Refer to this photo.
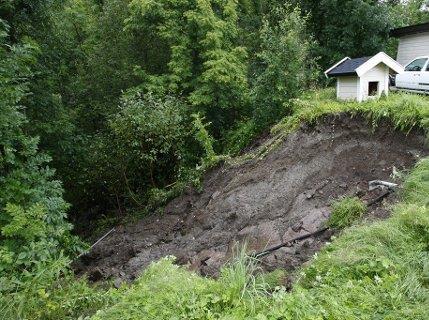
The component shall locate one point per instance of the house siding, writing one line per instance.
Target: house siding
(413, 46)
(347, 88)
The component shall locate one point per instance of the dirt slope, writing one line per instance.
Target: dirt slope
(263, 202)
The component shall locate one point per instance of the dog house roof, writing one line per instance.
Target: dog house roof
(359, 66)
(347, 67)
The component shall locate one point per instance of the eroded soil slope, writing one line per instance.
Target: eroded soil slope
(264, 202)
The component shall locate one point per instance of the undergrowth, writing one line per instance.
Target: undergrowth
(53, 293)
(405, 111)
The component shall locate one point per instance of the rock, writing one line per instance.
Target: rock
(309, 194)
(215, 195)
(297, 226)
(95, 275)
(117, 283)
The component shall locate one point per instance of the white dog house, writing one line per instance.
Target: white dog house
(363, 78)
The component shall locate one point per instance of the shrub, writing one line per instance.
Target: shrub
(240, 137)
(143, 149)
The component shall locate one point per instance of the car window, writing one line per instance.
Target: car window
(416, 65)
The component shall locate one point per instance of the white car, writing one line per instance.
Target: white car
(415, 76)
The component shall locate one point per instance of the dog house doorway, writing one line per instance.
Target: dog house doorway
(373, 88)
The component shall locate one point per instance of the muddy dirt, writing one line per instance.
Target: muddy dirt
(263, 202)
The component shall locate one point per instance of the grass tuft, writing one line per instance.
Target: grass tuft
(346, 211)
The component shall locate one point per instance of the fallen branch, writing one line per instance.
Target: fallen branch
(97, 242)
(300, 238)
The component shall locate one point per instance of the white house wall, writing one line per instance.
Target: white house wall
(413, 46)
(347, 88)
(380, 74)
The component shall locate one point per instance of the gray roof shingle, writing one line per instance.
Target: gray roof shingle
(348, 67)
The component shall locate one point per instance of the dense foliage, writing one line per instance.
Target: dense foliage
(357, 28)
(34, 234)
(145, 146)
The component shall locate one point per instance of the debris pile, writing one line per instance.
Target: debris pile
(265, 203)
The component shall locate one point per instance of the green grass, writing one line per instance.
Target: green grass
(345, 211)
(405, 112)
(166, 291)
(52, 293)
(371, 271)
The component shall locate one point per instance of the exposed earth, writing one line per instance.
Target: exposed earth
(264, 202)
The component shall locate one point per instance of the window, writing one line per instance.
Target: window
(416, 65)
(372, 88)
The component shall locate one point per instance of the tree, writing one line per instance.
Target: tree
(353, 28)
(285, 64)
(410, 12)
(206, 63)
(33, 227)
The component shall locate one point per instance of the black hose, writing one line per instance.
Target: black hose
(303, 237)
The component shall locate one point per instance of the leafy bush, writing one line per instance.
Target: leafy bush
(346, 211)
(203, 137)
(206, 141)
(240, 137)
(143, 149)
(32, 211)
